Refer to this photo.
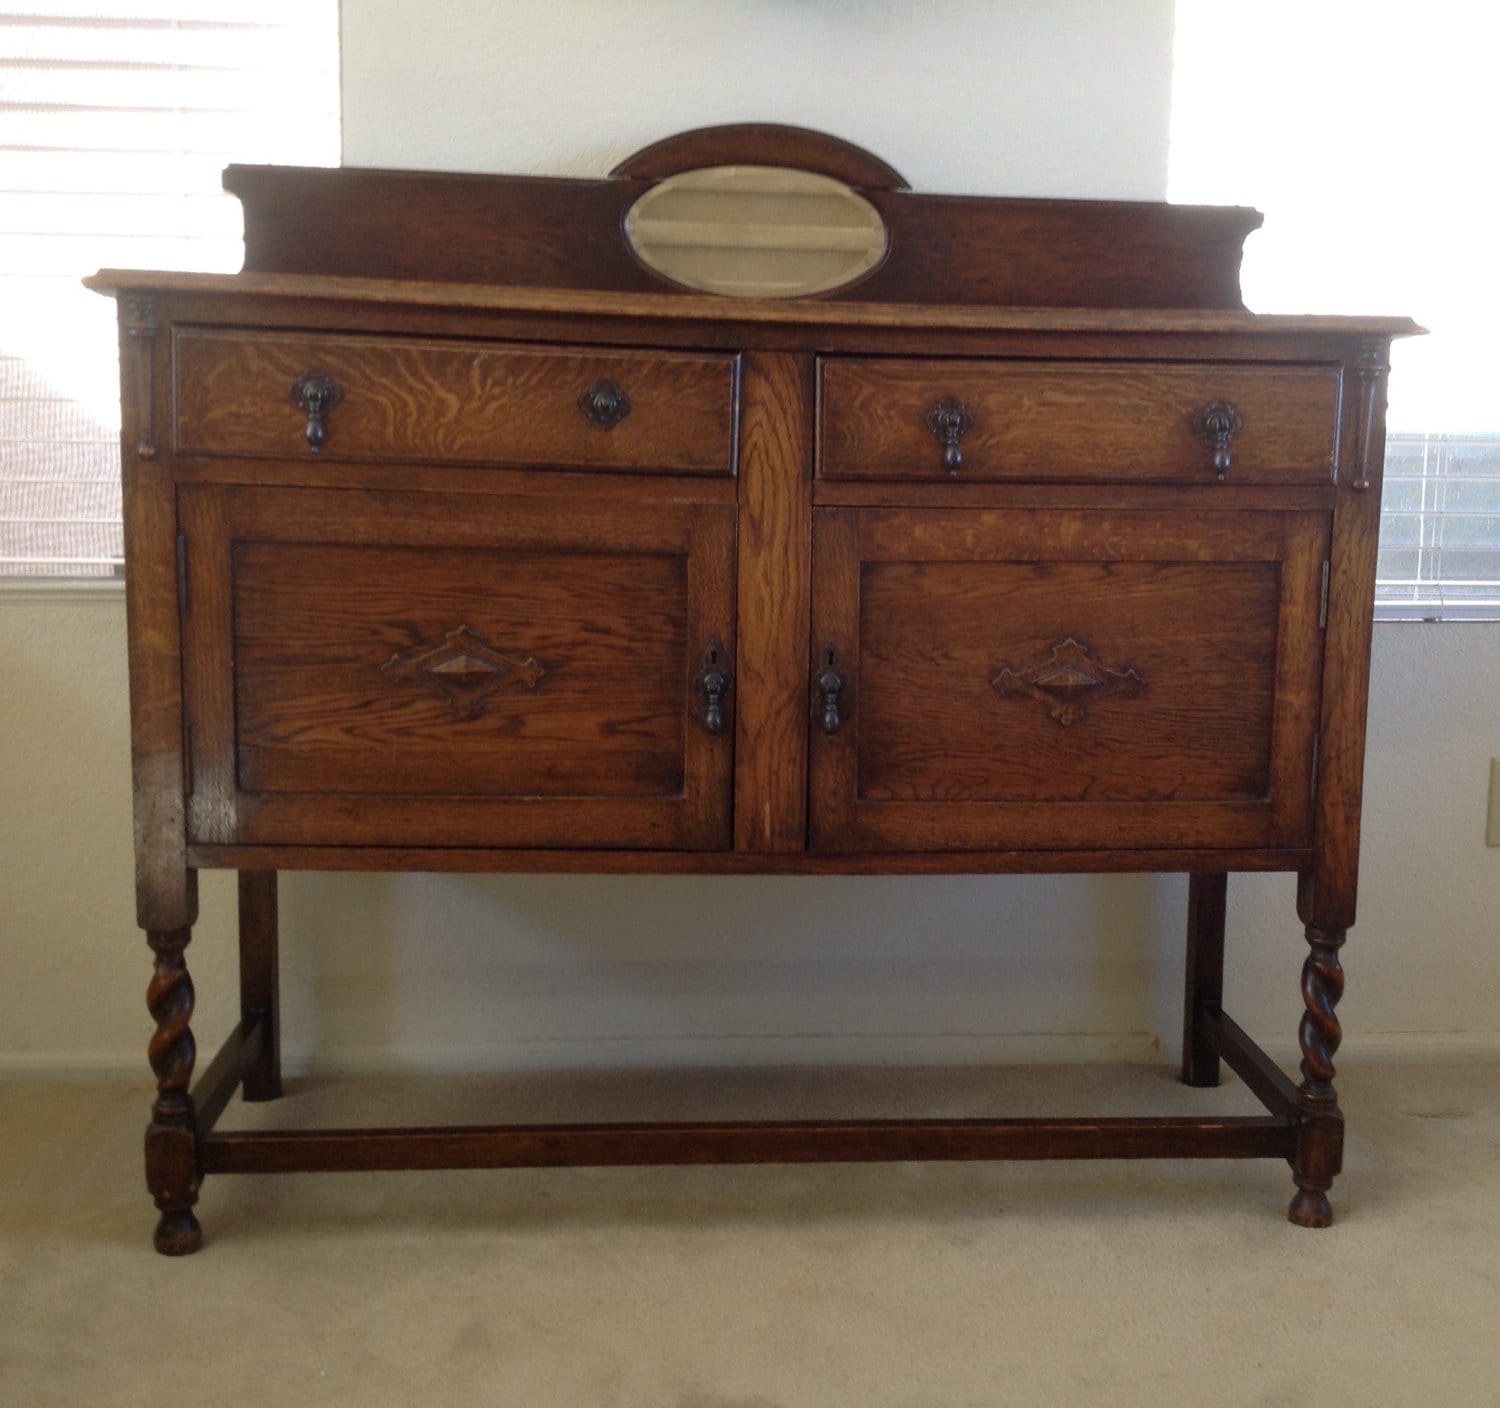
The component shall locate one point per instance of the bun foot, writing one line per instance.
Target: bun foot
(178, 1233)
(1310, 1209)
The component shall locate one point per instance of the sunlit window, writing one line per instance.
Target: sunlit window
(116, 120)
(1367, 133)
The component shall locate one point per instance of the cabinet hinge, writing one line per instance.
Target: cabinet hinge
(182, 575)
(1323, 599)
(1317, 749)
(187, 756)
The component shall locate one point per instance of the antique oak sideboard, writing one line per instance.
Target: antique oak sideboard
(463, 534)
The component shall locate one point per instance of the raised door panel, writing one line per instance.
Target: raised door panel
(420, 669)
(1045, 679)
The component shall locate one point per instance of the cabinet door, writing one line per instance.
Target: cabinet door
(454, 670)
(1030, 679)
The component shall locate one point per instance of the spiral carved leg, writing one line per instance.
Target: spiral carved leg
(172, 1170)
(1320, 1132)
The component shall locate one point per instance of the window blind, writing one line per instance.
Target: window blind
(115, 121)
(1346, 233)
(1440, 528)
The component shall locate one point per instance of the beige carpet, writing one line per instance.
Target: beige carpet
(913, 1286)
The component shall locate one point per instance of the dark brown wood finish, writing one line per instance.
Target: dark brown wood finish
(166, 889)
(478, 672)
(260, 980)
(1320, 1129)
(215, 1088)
(1092, 421)
(788, 1142)
(1204, 988)
(1267, 1081)
(1082, 583)
(774, 554)
(1209, 621)
(173, 1165)
(565, 233)
(430, 401)
(517, 860)
(572, 317)
(762, 144)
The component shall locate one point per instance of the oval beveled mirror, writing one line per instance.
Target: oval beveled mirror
(756, 231)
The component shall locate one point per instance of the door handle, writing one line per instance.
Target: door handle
(713, 682)
(829, 684)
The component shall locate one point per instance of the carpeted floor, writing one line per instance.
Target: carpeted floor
(913, 1286)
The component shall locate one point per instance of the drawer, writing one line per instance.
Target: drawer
(883, 418)
(426, 400)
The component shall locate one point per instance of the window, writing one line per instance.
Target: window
(1365, 132)
(116, 119)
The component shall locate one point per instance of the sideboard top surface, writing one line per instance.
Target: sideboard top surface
(748, 313)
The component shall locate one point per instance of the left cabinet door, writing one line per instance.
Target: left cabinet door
(415, 669)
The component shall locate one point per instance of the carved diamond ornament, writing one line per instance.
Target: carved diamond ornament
(1068, 682)
(464, 669)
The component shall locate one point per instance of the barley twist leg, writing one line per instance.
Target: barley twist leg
(1320, 1133)
(172, 1167)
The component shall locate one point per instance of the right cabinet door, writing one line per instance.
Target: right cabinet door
(1064, 679)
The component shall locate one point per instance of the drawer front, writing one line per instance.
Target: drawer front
(429, 401)
(425, 669)
(1090, 421)
(1036, 679)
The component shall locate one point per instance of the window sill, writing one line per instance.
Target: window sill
(61, 591)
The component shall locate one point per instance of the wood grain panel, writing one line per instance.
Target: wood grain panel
(1327, 898)
(934, 636)
(324, 704)
(413, 669)
(1214, 618)
(565, 233)
(422, 306)
(774, 547)
(430, 400)
(1089, 421)
(166, 890)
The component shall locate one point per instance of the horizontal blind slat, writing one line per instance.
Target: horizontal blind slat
(203, 215)
(160, 88)
(163, 14)
(115, 125)
(1439, 553)
(275, 137)
(91, 172)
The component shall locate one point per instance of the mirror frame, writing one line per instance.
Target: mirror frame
(663, 258)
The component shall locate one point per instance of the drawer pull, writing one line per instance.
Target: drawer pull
(605, 404)
(713, 684)
(829, 684)
(950, 421)
(314, 394)
(1067, 682)
(1218, 423)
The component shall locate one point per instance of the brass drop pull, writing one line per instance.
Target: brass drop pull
(713, 684)
(1218, 423)
(315, 394)
(829, 685)
(604, 404)
(949, 420)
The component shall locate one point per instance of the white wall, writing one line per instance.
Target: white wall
(466, 971)
(1020, 97)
